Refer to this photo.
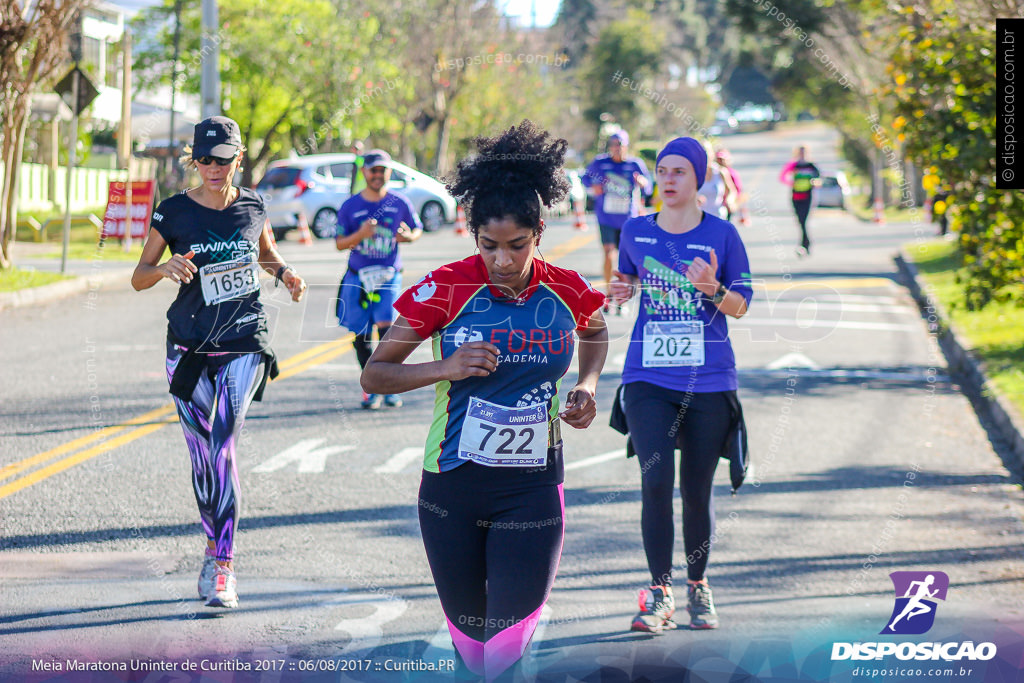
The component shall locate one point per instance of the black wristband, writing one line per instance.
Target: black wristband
(280, 272)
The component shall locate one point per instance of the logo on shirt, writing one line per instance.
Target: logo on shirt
(463, 335)
(646, 240)
(424, 291)
(158, 216)
(211, 133)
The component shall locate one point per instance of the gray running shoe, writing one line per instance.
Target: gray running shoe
(206, 576)
(656, 609)
(393, 401)
(224, 593)
(700, 606)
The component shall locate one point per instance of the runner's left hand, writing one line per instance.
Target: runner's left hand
(296, 285)
(580, 408)
(702, 274)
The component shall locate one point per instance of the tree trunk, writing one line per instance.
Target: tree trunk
(14, 141)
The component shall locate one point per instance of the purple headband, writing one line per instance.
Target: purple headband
(692, 151)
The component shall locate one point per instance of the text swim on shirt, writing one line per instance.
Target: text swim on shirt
(390, 212)
(618, 201)
(535, 335)
(660, 259)
(226, 246)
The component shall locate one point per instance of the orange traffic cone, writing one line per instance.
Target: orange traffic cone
(581, 222)
(460, 222)
(304, 236)
(879, 212)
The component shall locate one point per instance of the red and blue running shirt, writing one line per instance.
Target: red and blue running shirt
(534, 334)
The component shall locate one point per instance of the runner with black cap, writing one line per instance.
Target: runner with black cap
(218, 352)
(372, 224)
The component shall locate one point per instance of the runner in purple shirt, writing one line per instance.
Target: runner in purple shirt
(614, 180)
(679, 380)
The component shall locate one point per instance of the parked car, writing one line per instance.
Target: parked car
(318, 184)
(833, 191)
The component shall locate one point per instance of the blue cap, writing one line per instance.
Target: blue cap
(620, 135)
(692, 151)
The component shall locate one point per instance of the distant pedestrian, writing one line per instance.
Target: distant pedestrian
(372, 224)
(718, 192)
(615, 179)
(802, 176)
(218, 345)
(738, 205)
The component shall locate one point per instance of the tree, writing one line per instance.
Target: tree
(33, 39)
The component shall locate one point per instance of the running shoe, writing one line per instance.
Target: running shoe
(393, 401)
(656, 609)
(206, 577)
(371, 401)
(224, 593)
(700, 606)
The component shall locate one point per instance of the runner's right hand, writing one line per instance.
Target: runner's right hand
(368, 227)
(621, 288)
(179, 268)
(472, 359)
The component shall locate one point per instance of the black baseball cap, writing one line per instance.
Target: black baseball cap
(377, 157)
(217, 136)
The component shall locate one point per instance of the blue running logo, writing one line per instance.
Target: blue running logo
(916, 593)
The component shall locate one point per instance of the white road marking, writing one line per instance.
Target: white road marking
(596, 459)
(400, 460)
(306, 453)
(845, 307)
(793, 360)
(847, 374)
(830, 324)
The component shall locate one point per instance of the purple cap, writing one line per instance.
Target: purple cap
(692, 151)
(620, 135)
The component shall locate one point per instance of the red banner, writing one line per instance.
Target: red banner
(115, 217)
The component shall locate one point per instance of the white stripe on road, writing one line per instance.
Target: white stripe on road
(596, 459)
(793, 360)
(310, 458)
(844, 307)
(830, 324)
(400, 460)
(845, 374)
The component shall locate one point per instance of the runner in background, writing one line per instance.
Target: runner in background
(218, 346)
(802, 176)
(372, 224)
(615, 180)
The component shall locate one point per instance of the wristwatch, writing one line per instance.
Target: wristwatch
(719, 296)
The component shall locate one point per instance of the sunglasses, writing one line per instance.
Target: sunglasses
(220, 161)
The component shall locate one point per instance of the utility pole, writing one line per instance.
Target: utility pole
(125, 138)
(209, 86)
(172, 145)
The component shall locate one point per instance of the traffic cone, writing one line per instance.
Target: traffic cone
(304, 236)
(581, 222)
(460, 222)
(879, 212)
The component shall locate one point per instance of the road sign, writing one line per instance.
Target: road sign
(87, 92)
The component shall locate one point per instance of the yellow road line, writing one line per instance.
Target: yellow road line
(292, 366)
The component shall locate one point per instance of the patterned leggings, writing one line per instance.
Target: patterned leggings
(212, 421)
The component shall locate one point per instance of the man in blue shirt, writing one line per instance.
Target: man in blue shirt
(613, 179)
(372, 223)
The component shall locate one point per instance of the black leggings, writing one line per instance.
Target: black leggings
(493, 537)
(803, 209)
(661, 420)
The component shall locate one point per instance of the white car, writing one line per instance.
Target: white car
(318, 184)
(833, 191)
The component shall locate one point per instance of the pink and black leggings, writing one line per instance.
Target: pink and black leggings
(212, 421)
(493, 537)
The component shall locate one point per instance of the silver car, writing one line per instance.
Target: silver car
(316, 186)
(833, 191)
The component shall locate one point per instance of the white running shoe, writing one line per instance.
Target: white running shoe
(224, 593)
(206, 577)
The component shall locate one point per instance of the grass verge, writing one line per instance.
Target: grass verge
(994, 333)
(14, 279)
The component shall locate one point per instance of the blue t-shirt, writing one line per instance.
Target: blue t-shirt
(619, 200)
(534, 334)
(381, 249)
(659, 258)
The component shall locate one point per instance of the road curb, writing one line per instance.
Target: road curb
(60, 290)
(1005, 420)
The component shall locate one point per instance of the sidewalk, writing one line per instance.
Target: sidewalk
(86, 275)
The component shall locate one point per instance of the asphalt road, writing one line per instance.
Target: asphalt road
(867, 460)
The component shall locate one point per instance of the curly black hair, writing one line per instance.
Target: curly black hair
(510, 177)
